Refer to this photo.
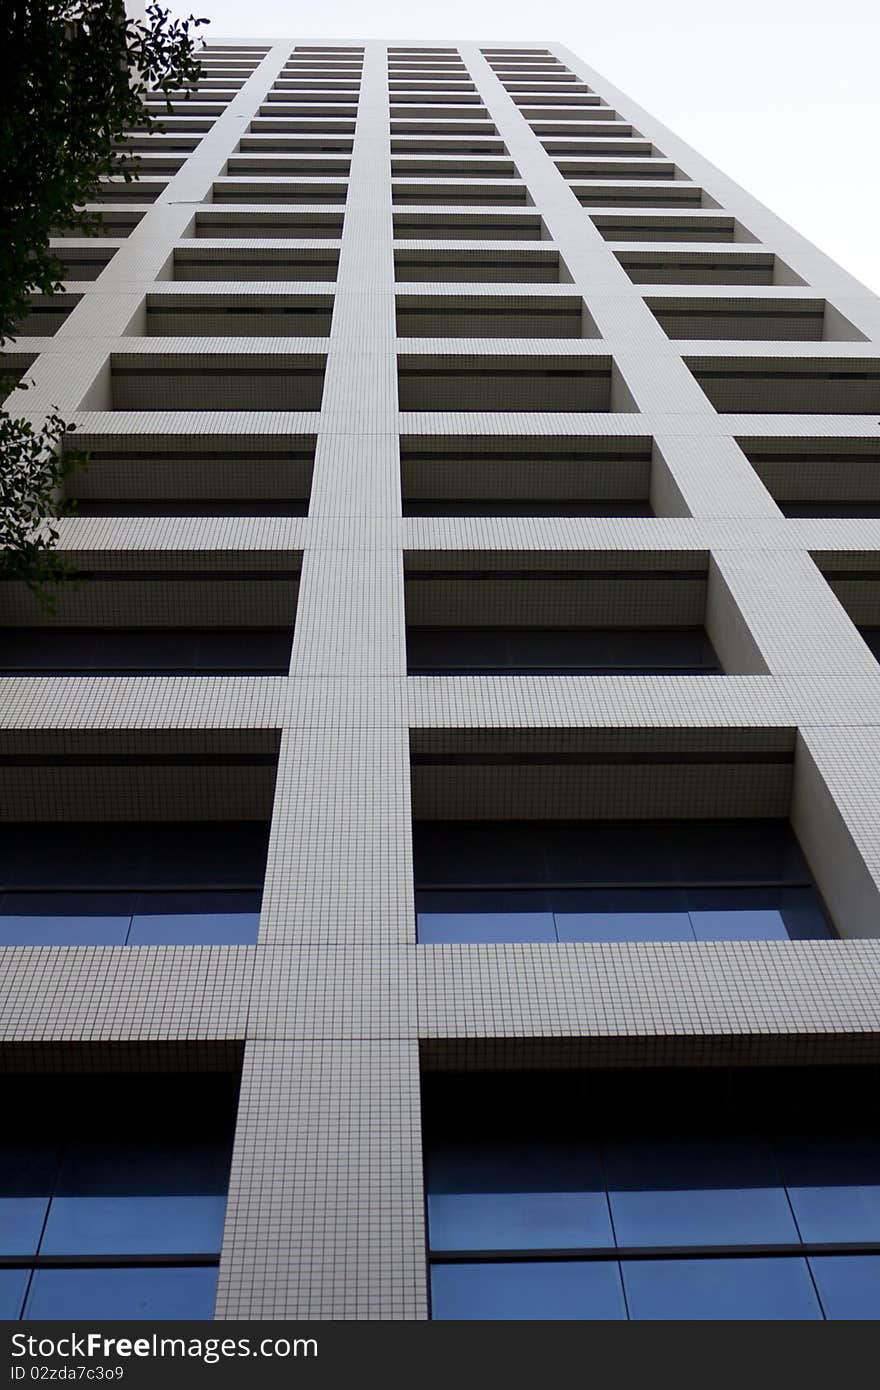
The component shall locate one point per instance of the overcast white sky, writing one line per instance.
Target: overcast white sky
(784, 95)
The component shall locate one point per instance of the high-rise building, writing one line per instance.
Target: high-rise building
(462, 741)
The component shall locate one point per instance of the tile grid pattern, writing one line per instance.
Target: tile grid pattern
(325, 1214)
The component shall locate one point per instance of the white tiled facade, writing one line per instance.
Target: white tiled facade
(337, 1009)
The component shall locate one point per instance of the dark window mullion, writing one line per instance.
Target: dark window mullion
(202, 1260)
(604, 1169)
(60, 1155)
(584, 885)
(605, 1254)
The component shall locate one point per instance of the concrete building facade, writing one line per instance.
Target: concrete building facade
(387, 341)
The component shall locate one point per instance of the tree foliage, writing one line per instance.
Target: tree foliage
(33, 470)
(76, 76)
(76, 73)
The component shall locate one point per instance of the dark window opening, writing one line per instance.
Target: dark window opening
(654, 1194)
(127, 884)
(872, 637)
(113, 1192)
(818, 477)
(484, 881)
(526, 476)
(516, 506)
(830, 507)
(546, 651)
(157, 651)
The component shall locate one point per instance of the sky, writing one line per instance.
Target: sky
(784, 96)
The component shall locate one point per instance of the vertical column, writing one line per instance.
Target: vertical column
(326, 1210)
(326, 1187)
(345, 805)
(791, 614)
(837, 772)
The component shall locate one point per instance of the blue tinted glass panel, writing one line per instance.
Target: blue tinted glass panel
(518, 1221)
(63, 931)
(495, 914)
(736, 914)
(200, 918)
(139, 1198)
(624, 926)
(120, 1294)
(849, 1286)
(834, 1186)
(802, 914)
(696, 1192)
(516, 1197)
(13, 1283)
(550, 1291)
(437, 927)
(27, 1175)
(624, 914)
(195, 929)
(759, 1289)
(65, 919)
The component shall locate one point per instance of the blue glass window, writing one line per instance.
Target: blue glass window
(150, 1294)
(702, 1188)
(492, 915)
(696, 1192)
(621, 914)
(118, 1167)
(602, 881)
(27, 1175)
(13, 1283)
(171, 919)
(760, 1288)
(138, 1197)
(802, 913)
(65, 919)
(516, 1196)
(625, 914)
(435, 928)
(849, 1286)
(834, 1186)
(554, 1291)
(119, 919)
(755, 914)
